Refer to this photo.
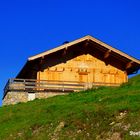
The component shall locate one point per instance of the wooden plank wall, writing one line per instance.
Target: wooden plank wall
(84, 68)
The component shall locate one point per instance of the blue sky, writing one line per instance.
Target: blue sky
(28, 27)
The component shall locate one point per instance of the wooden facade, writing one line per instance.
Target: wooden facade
(84, 68)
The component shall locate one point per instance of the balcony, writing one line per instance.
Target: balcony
(31, 85)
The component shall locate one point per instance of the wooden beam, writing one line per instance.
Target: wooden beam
(41, 63)
(65, 51)
(86, 43)
(84, 48)
(107, 54)
(41, 60)
(129, 65)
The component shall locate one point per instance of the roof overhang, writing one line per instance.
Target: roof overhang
(109, 50)
(88, 38)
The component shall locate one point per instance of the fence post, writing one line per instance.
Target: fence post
(63, 86)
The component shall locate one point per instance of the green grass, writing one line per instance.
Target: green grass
(92, 114)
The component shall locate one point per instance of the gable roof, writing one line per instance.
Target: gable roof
(88, 38)
(121, 56)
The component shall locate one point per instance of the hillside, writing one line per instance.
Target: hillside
(97, 114)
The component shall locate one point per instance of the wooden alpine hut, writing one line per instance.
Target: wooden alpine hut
(78, 65)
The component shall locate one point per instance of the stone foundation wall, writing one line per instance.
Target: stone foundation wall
(42, 95)
(17, 97)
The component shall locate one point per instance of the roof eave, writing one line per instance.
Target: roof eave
(88, 37)
(59, 48)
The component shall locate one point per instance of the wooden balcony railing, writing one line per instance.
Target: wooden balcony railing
(31, 85)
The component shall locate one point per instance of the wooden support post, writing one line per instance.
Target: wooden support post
(125, 76)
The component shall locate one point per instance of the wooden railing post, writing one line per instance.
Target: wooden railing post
(63, 85)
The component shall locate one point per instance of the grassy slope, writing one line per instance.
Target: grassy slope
(93, 114)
